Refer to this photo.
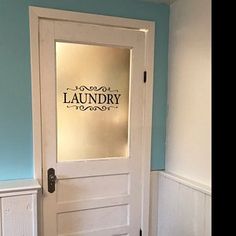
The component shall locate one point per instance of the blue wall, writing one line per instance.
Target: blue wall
(16, 158)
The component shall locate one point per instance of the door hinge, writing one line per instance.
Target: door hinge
(140, 232)
(145, 76)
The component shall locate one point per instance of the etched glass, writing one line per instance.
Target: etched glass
(92, 84)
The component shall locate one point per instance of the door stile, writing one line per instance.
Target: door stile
(47, 75)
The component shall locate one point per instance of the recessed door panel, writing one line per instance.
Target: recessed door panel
(93, 219)
(79, 189)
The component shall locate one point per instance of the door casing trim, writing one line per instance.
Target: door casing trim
(37, 13)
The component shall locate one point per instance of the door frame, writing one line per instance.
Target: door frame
(37, 13)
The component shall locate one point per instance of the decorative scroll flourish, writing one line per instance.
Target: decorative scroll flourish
(92, 88)
(92, 108)
(76, 88)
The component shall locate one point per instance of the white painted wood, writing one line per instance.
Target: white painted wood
(83, 188)
(153, 203)
(167, 207)
(8, 186)
(35, 214)
(17, 193)
(147, 127)
(82, 221)
(192, 184)
(183, 210)
(40, 213)
(139, 25)
(103, 35)
(17, 215)
(48, 143)
(207, 215)
(92, 204)
(146, 122)
(18, 207)
(55, 14)
(35, 95)
(190, 211)
(36, 109)
(115, 231)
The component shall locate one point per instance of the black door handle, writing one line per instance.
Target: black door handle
(52, 178)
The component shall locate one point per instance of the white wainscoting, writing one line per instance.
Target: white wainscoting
(18, 207)
(179, 207)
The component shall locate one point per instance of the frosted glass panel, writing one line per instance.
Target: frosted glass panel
(92, 101)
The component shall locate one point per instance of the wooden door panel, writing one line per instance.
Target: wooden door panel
(97, 196)
(78, 189)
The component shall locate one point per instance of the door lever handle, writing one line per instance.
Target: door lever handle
(52, 178)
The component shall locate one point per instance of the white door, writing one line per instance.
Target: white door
(92, 101)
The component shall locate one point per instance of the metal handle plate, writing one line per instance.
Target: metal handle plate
(52, 178)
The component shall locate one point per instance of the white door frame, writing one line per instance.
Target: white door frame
(37, 13)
